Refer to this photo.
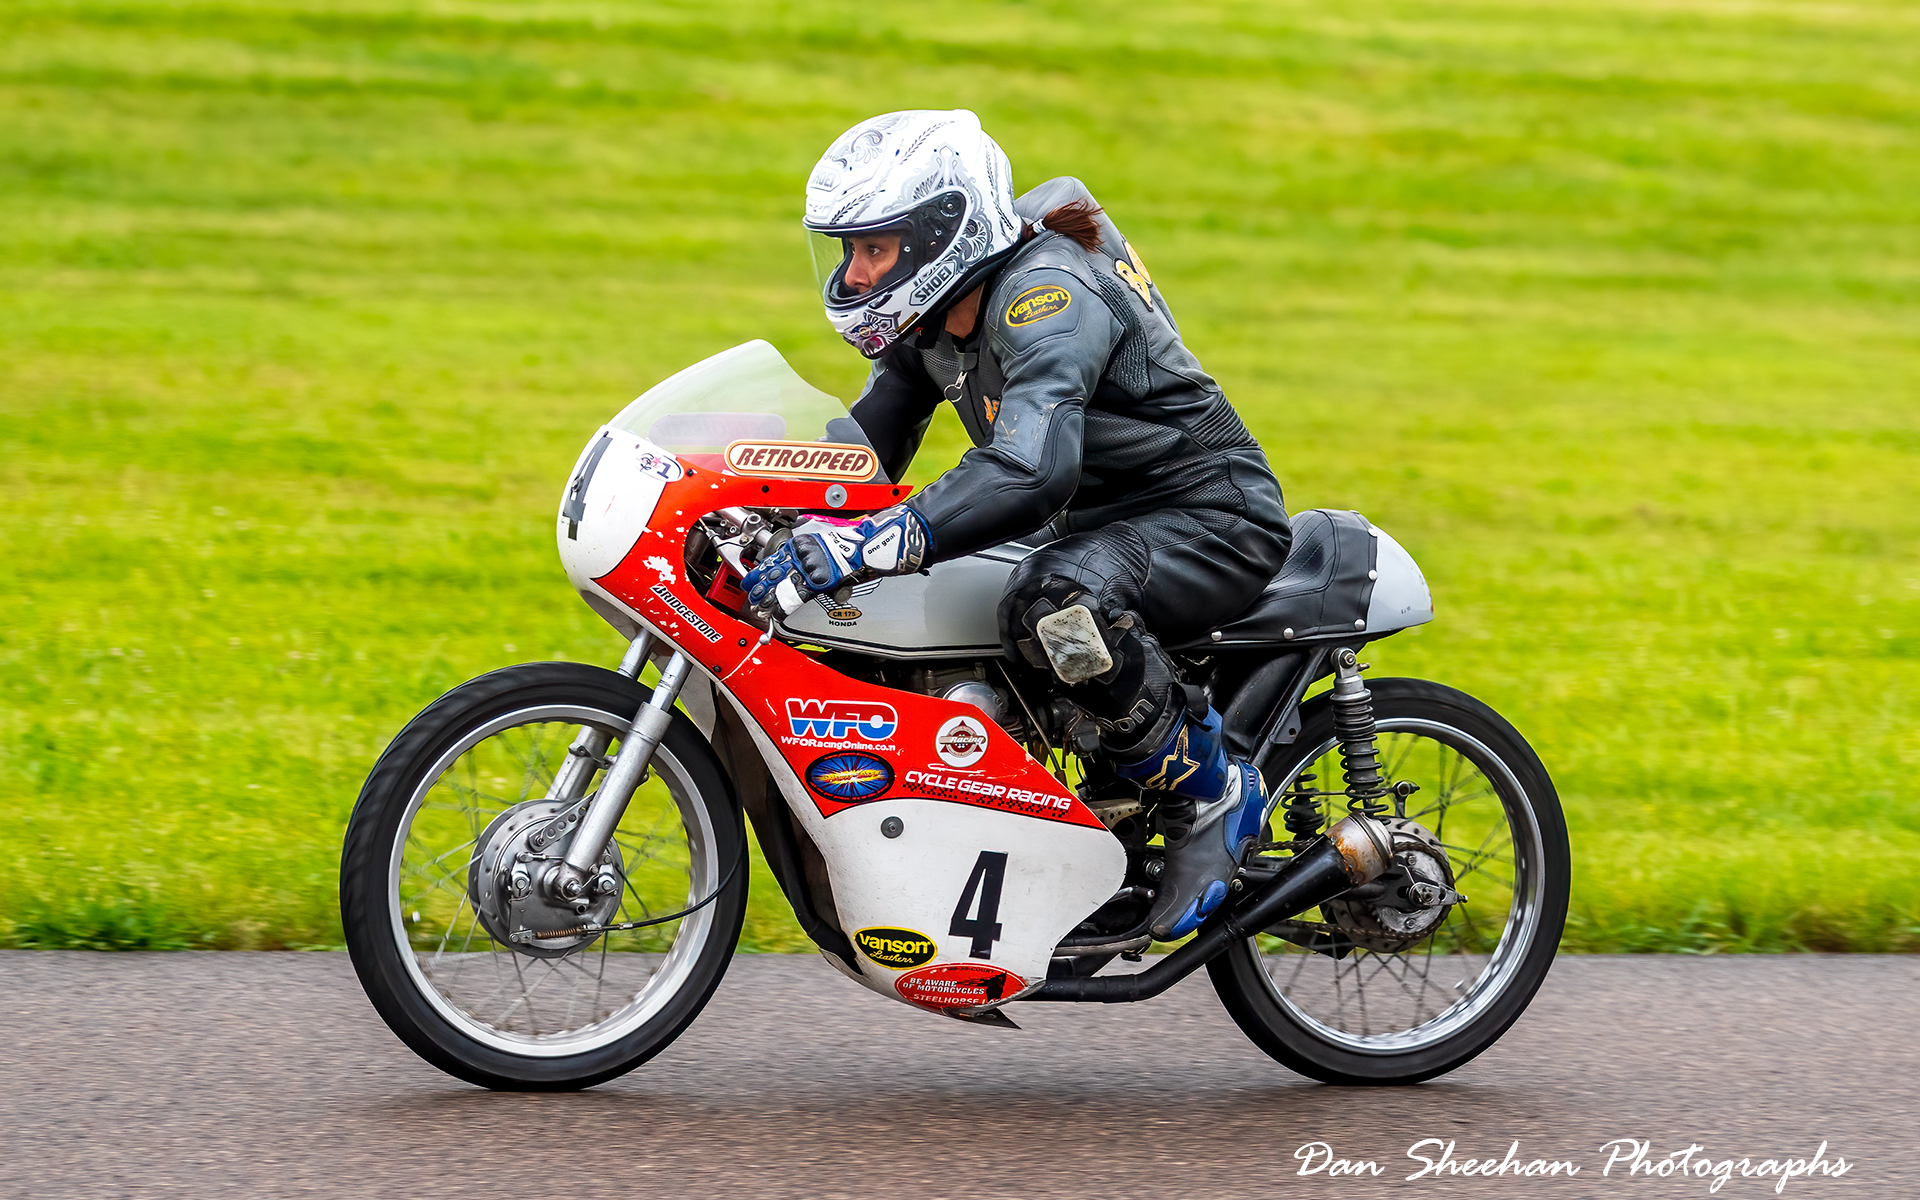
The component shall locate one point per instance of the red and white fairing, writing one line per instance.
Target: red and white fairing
(992, 859)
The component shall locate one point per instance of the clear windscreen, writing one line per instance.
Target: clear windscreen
(746, 393)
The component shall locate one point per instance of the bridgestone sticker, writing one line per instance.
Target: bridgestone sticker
(686, 614)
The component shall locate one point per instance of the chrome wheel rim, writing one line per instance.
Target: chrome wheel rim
(1390, 1003)
(588, 998)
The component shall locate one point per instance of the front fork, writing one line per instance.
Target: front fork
(572, 881)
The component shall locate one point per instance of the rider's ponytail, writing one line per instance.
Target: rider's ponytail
(1074, 219)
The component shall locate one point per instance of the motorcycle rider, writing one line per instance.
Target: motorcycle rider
(1089, 420)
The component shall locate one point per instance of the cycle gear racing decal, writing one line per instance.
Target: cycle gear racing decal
(896, 948)
(686, 614)
(850, 778)
(1038, 303)
(803, 460)
(961, 742)
(958, 985)
(963, 788)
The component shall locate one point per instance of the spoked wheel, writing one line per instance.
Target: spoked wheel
(1418, 978)
(448, 928)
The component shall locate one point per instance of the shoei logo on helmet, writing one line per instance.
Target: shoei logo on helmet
(802, 460)
(961, 742)
(1037, 304)
(896, 948)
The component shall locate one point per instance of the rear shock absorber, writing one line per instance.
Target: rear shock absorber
(1354, 727)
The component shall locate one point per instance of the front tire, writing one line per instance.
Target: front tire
(1394, 1009)
(517, 1019)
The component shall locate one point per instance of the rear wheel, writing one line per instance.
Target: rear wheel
(1372, 992)
(458, 968)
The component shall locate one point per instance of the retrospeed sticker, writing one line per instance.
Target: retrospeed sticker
(957, 985)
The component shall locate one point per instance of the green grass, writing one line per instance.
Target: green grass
(1609, 311)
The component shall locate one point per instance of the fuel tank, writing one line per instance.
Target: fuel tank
(948, 612)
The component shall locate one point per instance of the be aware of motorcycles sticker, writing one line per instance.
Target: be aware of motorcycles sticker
(957, 985)
(895, 948)
(803, 460)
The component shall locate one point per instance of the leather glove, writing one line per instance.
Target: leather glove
(820, 557)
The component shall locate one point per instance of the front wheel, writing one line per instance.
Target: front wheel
(437, 921)
(1384, 990)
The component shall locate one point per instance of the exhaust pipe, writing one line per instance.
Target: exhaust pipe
(1357, 850)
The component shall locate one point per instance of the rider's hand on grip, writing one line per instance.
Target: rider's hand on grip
(824, 554)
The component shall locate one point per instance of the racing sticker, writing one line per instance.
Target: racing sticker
(957, 985)
(850, 777)
(961, 742)
(803, 460)
(896, 948)
(1038, 303)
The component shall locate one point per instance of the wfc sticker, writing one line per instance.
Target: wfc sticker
(896, 948)
(1038, 303)
(802, 460)
(834, 720)
(958, 985)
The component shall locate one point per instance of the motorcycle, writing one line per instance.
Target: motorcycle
(545, 874)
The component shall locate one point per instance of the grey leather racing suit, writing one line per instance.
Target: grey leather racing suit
(1092, 426)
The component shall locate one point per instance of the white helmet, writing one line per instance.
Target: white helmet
(940, 183)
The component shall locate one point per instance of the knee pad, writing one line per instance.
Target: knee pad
(1111, 665)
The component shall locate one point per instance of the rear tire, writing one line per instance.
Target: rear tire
(429, 966)
(1443, 1000)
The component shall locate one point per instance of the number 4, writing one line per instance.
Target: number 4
(989, 875)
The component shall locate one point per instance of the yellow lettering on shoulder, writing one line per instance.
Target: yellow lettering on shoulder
(1134, 273)
(1038, 303)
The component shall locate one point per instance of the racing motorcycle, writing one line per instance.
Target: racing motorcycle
(545, 875)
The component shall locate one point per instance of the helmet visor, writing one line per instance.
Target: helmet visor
(853, 264)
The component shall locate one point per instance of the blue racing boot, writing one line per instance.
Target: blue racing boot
(1229, 810)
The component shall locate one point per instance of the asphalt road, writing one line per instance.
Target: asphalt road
(266, 1075)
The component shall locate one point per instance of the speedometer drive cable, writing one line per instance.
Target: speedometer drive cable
(685, 912)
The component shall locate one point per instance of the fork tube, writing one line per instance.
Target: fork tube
(570, 781)
(629, 768)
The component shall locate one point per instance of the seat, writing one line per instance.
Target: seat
(1322, 590)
